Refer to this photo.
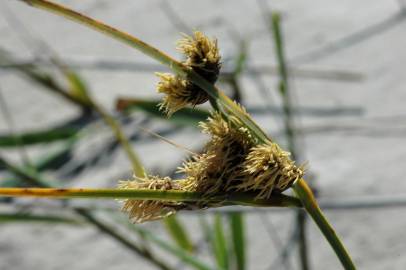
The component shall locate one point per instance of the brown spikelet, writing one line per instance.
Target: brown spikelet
(147, 210)
(202, 54)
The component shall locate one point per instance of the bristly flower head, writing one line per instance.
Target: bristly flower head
(268, 168)
(202, 56)
(147, 210)
(178, 93)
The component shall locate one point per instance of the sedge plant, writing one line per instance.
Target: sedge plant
(240, 164)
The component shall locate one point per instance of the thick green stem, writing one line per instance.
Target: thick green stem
(305, 194)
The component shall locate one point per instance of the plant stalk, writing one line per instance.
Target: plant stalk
(147, 194)
(305, 194)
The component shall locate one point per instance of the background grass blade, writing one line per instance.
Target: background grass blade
(40, 136)
(219, 244)
(28, 218)
(178, 233)
(238, 239)
(78, 87)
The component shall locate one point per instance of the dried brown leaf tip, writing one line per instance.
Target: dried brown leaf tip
(147, 210)
(202, 56)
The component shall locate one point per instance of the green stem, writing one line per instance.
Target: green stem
(305, 194)
(147, 194)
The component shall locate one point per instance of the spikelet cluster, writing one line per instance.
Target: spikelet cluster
(202, 56)
(147, 210)
(233, 161)
(178, 93)
(268, 169)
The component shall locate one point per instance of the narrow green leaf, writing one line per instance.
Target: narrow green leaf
(241, 59)
(219, 244)
(35, 137)
(178, 252)
(184, 117)
(178, 233)
(78, 87)
(238, 239)
(23, 218)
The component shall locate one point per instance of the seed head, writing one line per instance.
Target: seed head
(147, 210)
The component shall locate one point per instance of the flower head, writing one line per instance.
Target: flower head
(268, 168)
(202, 55)
(178, 93)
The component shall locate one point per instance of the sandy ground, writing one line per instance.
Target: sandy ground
(352, 154)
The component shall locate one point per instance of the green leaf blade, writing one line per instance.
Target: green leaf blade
(178, 233)
(220, 244)
(238, 239)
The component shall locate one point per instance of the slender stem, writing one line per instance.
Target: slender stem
(305, 194)
(147, 194)
(163, 58)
